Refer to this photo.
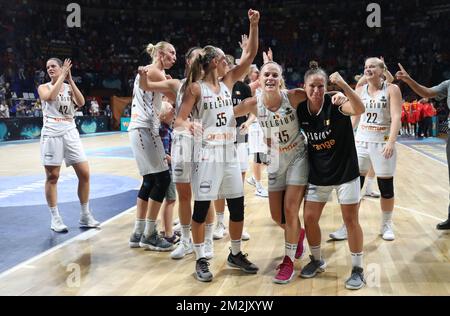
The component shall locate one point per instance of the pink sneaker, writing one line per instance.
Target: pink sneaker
(285, 271)
(300, 246)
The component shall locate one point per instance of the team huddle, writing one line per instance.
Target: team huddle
(316, 141)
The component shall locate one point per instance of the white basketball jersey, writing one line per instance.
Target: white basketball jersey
(58, 115)
(375, 123)
(145, 108)
(281, 127)
(215, 111)
(179, 97)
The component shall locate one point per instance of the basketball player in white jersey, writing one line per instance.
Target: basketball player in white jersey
(275, 110)
(369, 191)
(288, 166)
(217, 173)
(257, 146)
(148, 149)
(376, 136)
(60, 140)
(182, 158)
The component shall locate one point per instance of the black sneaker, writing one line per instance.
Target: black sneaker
(312, 268)
(240, 261)
(175, 239)
(444, 225)
(202, 272)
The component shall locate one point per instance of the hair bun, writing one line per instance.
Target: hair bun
(313, 65)
(150, 49)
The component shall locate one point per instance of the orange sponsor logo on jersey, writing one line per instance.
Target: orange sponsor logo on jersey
(288, 148)
(325, 145)
(373, 128)
(60, 119)
(221, 136)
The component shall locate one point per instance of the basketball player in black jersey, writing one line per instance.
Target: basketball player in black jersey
(333, 165)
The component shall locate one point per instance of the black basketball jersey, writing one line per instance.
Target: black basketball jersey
(241, 91)
(331, 144)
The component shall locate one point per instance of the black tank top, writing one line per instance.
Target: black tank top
(331, 144)
(241, 91)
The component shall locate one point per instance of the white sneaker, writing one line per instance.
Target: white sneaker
(251, 181)
(245, 235)
(387, 231)
(209, 249)
(184, 248)
(176, 221)
(177, 228)
(58, 225)
(261, 192)
(340, 234)
(88, 221)
(219, 231)
(373, 194)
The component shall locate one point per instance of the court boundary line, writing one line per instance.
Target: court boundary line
(36, 140)
(421, 153)
(83, 236)
(411, 210)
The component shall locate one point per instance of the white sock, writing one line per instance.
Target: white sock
(357, 259)
(290, 250)
(85, 208)
(186, 232)
(209, 229)
(235, 247)
(199, 250)
(150, 227)
(387, 217)
(220, 217)
(369, 185)
(139, 226)
(315, 252)
(54, 211)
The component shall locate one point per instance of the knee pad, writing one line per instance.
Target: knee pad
(236, 207)
(386, 187)
(361, 180)
(200, 211)
(144, 191)
(161, 183)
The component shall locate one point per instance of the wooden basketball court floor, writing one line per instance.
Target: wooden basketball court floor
(99, 262)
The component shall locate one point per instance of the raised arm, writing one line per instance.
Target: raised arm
(354, 105)
(250, 53)
(50, 94)
(423, 91)
(77, 96)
